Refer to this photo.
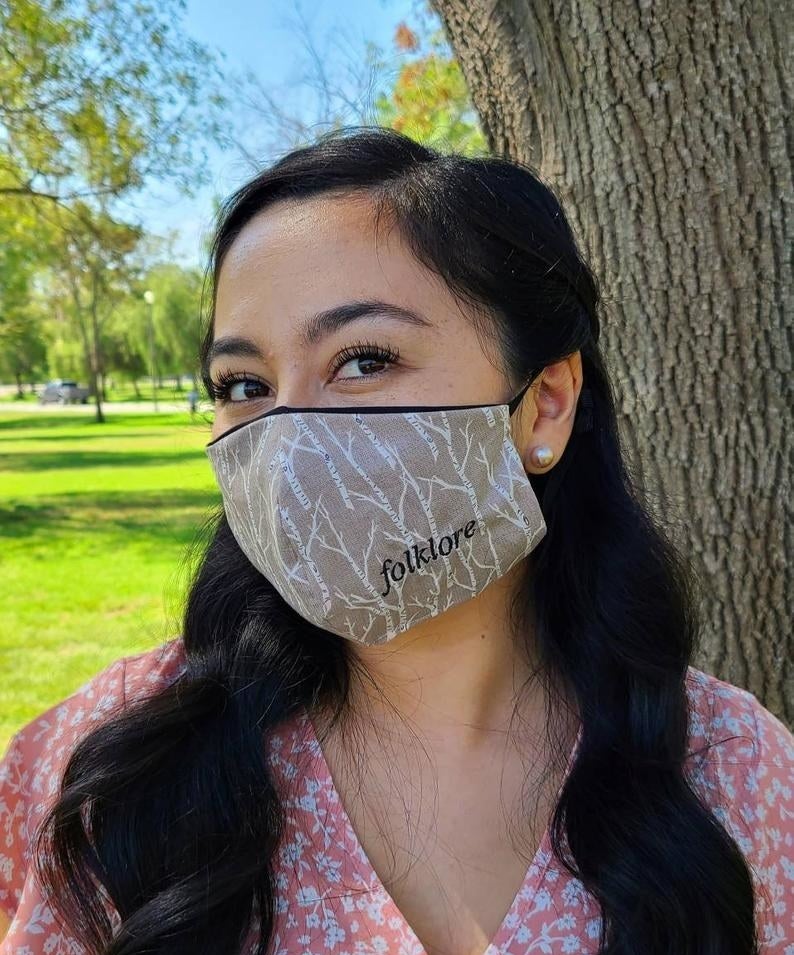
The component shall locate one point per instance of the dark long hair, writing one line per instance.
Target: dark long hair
(169, 808)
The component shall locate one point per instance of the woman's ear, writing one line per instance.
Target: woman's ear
(548, 420)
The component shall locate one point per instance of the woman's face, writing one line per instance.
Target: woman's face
(300, 260)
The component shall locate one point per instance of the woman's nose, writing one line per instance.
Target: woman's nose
(298, 394)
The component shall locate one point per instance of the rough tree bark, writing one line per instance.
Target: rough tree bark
(665, 129)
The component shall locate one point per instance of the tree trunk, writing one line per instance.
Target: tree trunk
(137, 390)
(100, 417)
(20, 390)
(663, 128)
(96, 355)
(90, 367)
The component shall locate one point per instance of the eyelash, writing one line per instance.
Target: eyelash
(220, 387)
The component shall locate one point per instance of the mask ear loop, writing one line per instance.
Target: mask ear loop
(516, 400)
(585, 410)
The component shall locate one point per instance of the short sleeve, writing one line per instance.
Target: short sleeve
(742, 767)
(767, 804)
(14, 810)
(31, 770)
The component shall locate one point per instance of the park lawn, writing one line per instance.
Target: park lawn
(95, 521)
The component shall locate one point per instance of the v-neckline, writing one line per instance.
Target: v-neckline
(530, 885)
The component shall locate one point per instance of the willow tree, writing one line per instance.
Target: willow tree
(663, 127)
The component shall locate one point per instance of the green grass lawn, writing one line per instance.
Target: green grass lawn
(94, 523)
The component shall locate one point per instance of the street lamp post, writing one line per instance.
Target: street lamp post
(148, 297)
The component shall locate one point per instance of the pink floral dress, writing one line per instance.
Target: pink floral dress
(330, 900)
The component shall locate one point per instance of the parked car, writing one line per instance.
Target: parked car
(63, 392)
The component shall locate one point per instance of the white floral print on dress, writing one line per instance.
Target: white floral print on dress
(329, 898)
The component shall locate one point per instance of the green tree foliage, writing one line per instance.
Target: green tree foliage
(416, 87)
(176, 313)
(98, 95)
(175, 326)
(92, 273)
(100, 98)
(22, 343)
(123, 346)
(429, 99)
(23, 350)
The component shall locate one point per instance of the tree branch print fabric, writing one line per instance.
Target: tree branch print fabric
(368, 522)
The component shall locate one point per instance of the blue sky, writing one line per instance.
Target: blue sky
(264, 36)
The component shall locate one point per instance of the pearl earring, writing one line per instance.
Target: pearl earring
(542, 456)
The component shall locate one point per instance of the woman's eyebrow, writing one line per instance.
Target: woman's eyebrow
(319, 326)
(330, 320)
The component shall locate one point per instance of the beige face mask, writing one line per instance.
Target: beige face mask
(370, 520)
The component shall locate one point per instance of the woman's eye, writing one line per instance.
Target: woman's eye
(364, 365)
(365, 360)
(244, 389)
(362, 360)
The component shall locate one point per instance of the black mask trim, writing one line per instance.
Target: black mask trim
(376, 409)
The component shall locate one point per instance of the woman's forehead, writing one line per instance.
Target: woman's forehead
(290, 233)
(298, 258)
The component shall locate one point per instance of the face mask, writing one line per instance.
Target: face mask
(370, 520)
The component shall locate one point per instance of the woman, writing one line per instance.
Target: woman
(433, 691)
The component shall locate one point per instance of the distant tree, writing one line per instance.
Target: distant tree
(98, 100)
(92, 272)
(122, 352)
(177, 314)
(429, 99)
(23, 350)
(65, 353)
(416, 87)
(22, 343)
(99, 96)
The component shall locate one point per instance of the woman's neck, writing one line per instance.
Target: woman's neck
(455, 678)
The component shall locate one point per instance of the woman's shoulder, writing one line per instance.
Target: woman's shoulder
(34, 760)
(738, 749)
(734, 724)
(741, 764)
(116, 684)
(151, 670)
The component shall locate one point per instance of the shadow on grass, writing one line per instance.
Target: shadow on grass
(68, 438)
(37, 422)
(29, 421)
(172, 516)
(70, 460)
